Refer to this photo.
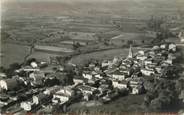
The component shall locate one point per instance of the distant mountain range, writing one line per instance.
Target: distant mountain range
(137, 8)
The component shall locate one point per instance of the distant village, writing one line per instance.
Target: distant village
(33, 88)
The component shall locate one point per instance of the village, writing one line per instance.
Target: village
(32, 88)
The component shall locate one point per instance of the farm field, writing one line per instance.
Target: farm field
(52, 48)
(129, 36)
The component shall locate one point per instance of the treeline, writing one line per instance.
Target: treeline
(161, 96)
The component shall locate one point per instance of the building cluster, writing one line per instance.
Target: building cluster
(32, 89)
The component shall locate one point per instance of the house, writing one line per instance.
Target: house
(2, 75)
(118, 75)
(104, 87)
(6, 100)
(158, 69)
(110, 71)
(33, 64)
(168, 61)
(151, 54)
(181, 36)
(52, 90)
(43, 64)
(172, 47)
(147, 72)
(85, 89)
(78, 80)
(141, 57)
(92, 65)
(132, 82)
(105, 81)
(136, 85)
(62, 96)
(37, 78)
(120, 84)
(136, 74)
(148, 61)
(27, 105)
(141, 52)
(135, 61)
(87, 75)
(128, 62)
(123, 66)
(155, 48)
(29, 69)
(116, 61)
(159, 54)
(151, 66)
(66, 90)
(87, 97)
(163, 46)
(91, 74)
(61, 68)
(126, 72)
(97, 69)
(136, 66)
(106, 63)
(158, 59)
(137, 90)
(92, 82)
(98, 76)
(37, 75)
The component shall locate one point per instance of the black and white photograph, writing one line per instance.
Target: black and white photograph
(92, 57)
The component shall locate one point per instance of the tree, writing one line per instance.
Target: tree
(11, 70)
(64, 78)
(179, 85)
(28, 62)
(2, 69)
(31, 49)
(129, 42)
(148, 85)
(181, 95)
(147, 100)
(14, 66)
(76, 45)
(156, 105)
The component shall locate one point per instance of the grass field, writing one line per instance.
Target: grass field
(137, 38)
(12, 53)
(101, 55)
(120, 105)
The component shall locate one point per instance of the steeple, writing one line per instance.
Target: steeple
(130, 54)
